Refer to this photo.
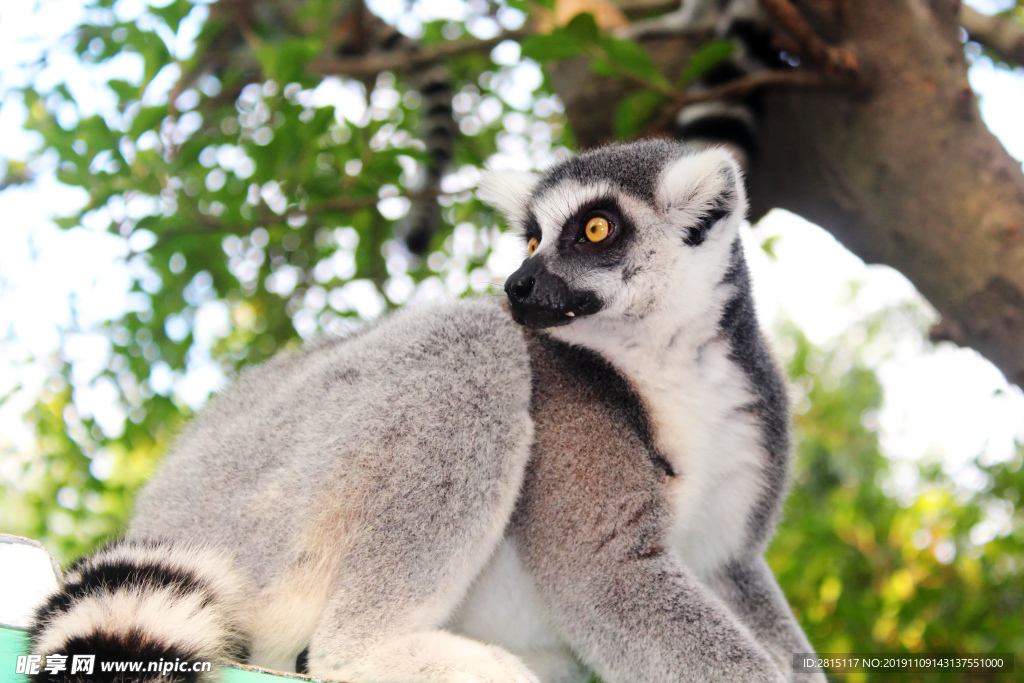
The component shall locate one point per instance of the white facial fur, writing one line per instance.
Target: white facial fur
(665, 271)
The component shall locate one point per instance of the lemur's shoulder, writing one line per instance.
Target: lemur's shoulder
(431, 374)
(574, 383)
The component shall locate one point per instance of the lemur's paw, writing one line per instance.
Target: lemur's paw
(429, 657)
(507, 667)
(489, 665)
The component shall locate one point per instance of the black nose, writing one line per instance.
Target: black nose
(521, 288)
(538, 298)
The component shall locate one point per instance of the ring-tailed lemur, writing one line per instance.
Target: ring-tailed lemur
(584, 480)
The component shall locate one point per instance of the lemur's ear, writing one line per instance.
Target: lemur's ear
(508, 192)
(700, 191)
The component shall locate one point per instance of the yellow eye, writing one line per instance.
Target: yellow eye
(532, 246)
(597, 229)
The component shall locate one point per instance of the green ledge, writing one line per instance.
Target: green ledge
(14, 642)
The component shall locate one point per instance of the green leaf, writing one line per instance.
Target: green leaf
(602, 67)
(633, 59)
(551, 47)
(173, 12)
(768, 246)
(707, 58)
(147, 119)
(583, 28)
(66, 222)
(636, 110)
(153, 51)
(85, 37)
(124, 90)
(285, 62)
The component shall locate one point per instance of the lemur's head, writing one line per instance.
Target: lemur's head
(620, 232)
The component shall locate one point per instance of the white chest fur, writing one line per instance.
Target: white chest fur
(695, 398)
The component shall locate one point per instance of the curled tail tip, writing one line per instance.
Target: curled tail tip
(144, 612)
(419, 226)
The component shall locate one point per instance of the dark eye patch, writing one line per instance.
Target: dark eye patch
(531, 228)
(574, 246)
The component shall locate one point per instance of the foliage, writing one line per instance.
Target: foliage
(252, 191)
(935, 569)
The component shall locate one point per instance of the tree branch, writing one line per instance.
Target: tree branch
(835, 61)
(734, 90)
(1001, 35)
(404, 60)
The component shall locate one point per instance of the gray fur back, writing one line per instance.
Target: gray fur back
(320, 441)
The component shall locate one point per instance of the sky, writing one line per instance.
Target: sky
(941, 402)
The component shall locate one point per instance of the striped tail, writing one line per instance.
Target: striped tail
(437, 130)
(733, 124)
(147, 612)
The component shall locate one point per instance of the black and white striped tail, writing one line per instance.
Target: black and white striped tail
(437, 131)
(733, 124)
(170, 605)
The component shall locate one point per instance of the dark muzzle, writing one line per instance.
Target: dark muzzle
(539, 298)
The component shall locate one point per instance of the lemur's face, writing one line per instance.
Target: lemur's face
(619, 232)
